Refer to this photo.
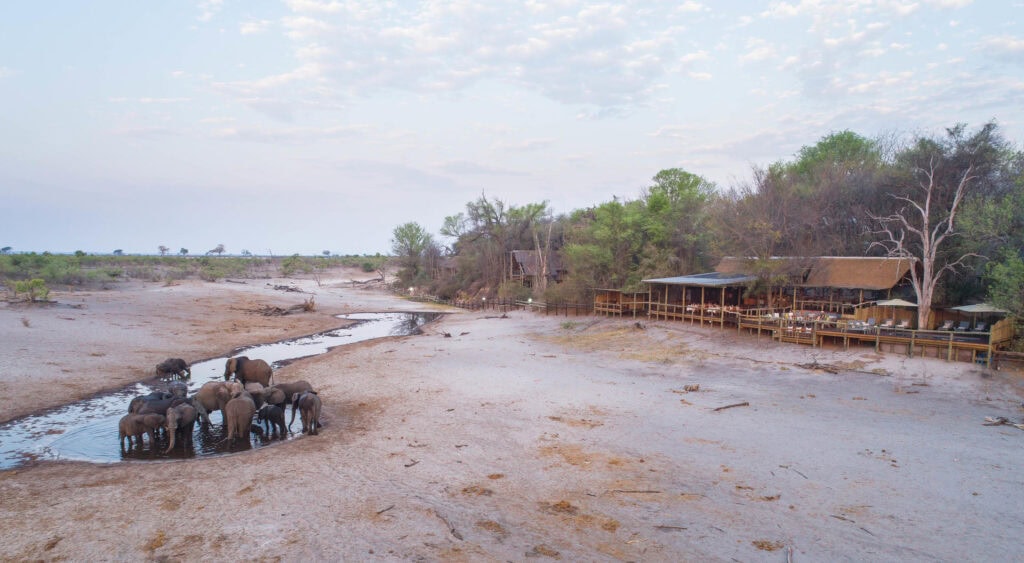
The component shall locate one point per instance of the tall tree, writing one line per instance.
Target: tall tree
(938, 175)
(411, 244)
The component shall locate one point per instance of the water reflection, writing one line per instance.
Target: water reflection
(88, 430)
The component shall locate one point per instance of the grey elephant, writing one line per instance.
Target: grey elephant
(246, 370)
(135, 425)
(272, 417)
(281, 394)
(212, 396)
(308, 404)
(178, 389)
(255, 390)
(180, 419)
(238, 416)
(176, 367)
(137, 402)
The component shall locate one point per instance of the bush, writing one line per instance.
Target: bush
(35, 288)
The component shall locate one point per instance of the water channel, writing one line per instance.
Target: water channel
(88, 430)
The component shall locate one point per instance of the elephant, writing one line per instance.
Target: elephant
(175, 367)
(255, 390)
(135, 425)
(212, 396)
(137, 402)
(281, 394)
(272, 417)
(238, 416)
(178, 389)
(160, 406)
(246, 370)
(308, 405)
(180, 418)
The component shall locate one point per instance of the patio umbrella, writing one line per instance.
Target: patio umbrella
(893, 303)
(979, 309)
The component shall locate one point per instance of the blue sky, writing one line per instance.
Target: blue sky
(310, 125)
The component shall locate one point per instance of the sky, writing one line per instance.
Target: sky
(308, 125)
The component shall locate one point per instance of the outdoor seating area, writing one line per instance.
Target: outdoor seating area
(839, 300)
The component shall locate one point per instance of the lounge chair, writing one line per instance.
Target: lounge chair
(904, 324)
(871, 322)
(887, 323)
(964, 326)
(982, 326)
(946, 325)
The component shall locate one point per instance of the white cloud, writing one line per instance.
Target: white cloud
(691, 7)
(949, 3)
(208, 9)
(6, 72)
(314, 6)
(1004, 46)
(253, 27)
(758, 50)
(701, 55)
(701, 76)
(303, 27)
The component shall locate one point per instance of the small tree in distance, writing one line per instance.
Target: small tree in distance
(118, 252)
(183, 251)
(219, 250)
(163, 250)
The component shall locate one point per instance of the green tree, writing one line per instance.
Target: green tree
(412, 245)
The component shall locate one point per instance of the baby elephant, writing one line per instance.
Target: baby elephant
(135, 425)
(308, 405)
(175, 367)
(272, 417)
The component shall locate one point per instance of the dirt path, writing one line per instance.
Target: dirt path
(550, 438)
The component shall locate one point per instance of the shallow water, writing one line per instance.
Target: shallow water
(88, 430)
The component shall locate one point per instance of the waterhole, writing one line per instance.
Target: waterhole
(87, 430)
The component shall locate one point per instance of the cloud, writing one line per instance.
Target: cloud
(254, 27)
(1004, 47)
(148, 100)
(758, 50)
(304, 27)
(690, 6)
(208, 9)
(6, 72)
(475, 168)
(287, 135)
(314, 6)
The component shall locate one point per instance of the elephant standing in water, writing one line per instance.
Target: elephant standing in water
(246, 370)
(238, 416)
(135, 425)
(180, 418)
(212, 396)
(176, 367)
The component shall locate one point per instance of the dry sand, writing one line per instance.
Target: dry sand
(517, 438)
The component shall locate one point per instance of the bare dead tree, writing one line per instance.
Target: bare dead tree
(917, 231)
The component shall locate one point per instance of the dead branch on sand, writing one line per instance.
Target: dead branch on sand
(743, 404)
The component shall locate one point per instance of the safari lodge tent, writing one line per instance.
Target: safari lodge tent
(830, 284)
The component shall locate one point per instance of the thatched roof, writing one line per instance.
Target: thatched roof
(843, 272)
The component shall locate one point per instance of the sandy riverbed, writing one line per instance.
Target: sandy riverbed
(494, 439)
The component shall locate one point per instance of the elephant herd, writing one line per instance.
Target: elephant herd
(251, 394)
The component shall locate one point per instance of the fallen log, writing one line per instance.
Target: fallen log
(743, 404)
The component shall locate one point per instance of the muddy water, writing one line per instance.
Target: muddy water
(87, 430)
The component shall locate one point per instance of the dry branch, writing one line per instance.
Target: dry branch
(743, 404)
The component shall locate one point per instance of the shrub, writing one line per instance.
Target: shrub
(35, 289)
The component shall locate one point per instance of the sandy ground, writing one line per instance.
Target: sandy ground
(495, 438)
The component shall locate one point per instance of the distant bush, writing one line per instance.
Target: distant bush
(35, 289)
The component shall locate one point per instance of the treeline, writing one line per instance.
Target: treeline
(81, 268)
(955, 202)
